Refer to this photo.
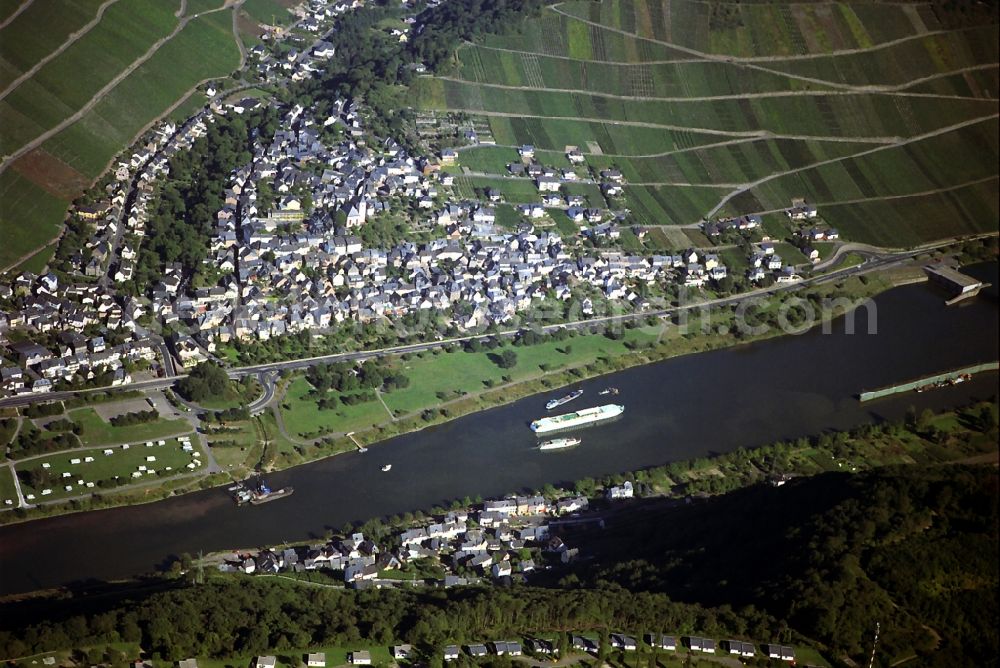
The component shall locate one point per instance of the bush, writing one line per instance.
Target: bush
(139, 417)
(43, 410)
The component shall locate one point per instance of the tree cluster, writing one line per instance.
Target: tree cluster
(345, 377)
(207, 380)
(255, 616)
(138, 417)
(831, 554)
(446, 25)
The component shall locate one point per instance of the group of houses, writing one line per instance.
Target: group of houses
(65, 320)
(483, 543)
(286, 245)
(545, 649)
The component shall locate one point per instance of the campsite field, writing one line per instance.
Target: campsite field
(884, 115)
(107, 464)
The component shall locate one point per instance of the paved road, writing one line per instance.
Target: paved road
(873, 262)
(13, 16)
(99, 95)
(895, 89)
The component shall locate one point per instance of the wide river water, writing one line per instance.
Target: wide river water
(677, 409)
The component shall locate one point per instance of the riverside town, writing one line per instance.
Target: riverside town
(499, 333)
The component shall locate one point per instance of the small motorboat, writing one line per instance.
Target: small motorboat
(609, 390)
(387, 467)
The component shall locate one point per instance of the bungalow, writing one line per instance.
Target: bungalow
(572, 505)
(526, 151)
(623, 491)
(624, 642)
(265, 662)
(506, 648)
(451, 653)
(361, 658)
(476, 650)
(187, 663)
(740, 648)
(698, 644)
(547, 184)
(802, 212)
(782, 652)
(455, 581)
(502, 569)
(400, 652)
(30, 354)
(316, 660)
(661, 641)
(541, 646)
(584, 644)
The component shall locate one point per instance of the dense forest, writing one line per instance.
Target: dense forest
(825, 558)
(255, 616)
(913, 548)
(445, 26)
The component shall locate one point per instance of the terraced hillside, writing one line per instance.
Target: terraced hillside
(79, 79)
(880, 113)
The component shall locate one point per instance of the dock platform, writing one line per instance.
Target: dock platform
(941, 378)
(960, 286)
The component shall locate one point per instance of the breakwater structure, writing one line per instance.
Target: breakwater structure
(929, 382)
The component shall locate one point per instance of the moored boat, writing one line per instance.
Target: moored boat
(559, 443)
(608, 390)
(578, 419)
(562, 400)
(387, 467)
(256, 494)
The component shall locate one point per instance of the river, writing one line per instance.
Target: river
(677, 409)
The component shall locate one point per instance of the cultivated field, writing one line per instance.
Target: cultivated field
(79, 79)
(885, 115)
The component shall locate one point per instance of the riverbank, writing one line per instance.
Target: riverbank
(653, 341)
(783, 388)
(648, 343)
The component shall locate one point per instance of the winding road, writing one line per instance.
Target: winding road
(17, 12)
(903, 142)
(73, 37)
(888, 89)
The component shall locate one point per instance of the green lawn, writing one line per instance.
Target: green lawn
(303, 417)
(7, 491)
(458, 372)
(23, 43)
(95, 431)
(62, 86)
(268, 12)
(170, 460)
(29, 215)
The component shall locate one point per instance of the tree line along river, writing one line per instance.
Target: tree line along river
(677, 409)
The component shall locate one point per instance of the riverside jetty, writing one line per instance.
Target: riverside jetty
(941, 379)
